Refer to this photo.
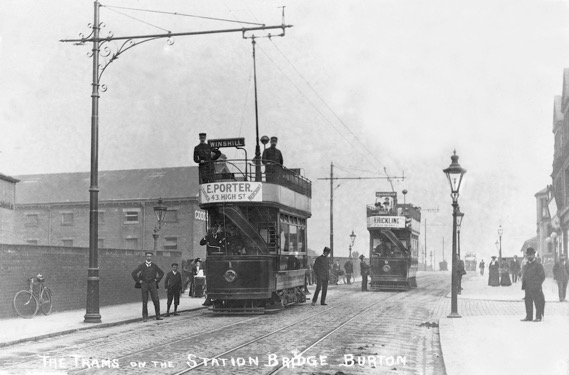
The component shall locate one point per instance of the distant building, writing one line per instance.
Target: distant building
(53, 210)
(7, 208)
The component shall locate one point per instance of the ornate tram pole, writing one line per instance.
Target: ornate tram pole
(111, 53)
(454, 174)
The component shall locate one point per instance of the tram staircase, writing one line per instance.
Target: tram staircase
(393, 238)
(236, 215)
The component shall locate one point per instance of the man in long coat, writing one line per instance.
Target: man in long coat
(321, 268)
(561, 275)
(349, 267)
(515, 268)
(273, 161)
(364, 271)
(204, 155)
(533, 277)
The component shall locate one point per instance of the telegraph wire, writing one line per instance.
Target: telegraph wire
(136, 19)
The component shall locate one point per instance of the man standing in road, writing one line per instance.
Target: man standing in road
(481, 266)
(273, 161)
(364, 270)
(349, 267)
(204, 155)
(321, 269)
(561, 275)
(148, 275)
(173, 285)
(533, 277)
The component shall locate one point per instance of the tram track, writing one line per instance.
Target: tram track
(176, 347)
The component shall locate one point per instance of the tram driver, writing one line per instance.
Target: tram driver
(214, 239)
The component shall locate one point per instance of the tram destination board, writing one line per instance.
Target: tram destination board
(227, 142)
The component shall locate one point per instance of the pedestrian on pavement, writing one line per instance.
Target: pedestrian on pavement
(494, 273)
(561, 275)
(515, 268)
(187, 276)
(272, 159)
(321, 270)
(337, 269)
(204, 155)
(481, 266)
(364, 270)
(308, 273)
(197, 271)
(173, 286)
(505, 274)
(148, 274)
(460, 271)
(533, 277)
(349, 267)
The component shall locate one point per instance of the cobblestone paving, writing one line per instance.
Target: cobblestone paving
(358, 333)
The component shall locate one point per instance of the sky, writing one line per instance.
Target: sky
(378, 88)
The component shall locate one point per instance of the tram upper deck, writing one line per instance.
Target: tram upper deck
(242, 182)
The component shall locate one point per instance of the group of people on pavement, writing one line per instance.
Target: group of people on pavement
(499, 273)
(147, 277)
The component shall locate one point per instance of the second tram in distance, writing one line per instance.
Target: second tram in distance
(394, 231)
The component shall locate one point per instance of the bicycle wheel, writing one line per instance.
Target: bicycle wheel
(45, 301)
(26, 304)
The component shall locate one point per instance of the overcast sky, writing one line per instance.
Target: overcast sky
(368, 85)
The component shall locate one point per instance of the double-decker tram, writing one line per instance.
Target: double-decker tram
(394, 243)
(256, 241)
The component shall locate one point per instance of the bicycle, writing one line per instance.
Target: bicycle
(27, 302)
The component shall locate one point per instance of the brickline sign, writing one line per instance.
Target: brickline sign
(227, 142)
(243, 191)
(386, 222)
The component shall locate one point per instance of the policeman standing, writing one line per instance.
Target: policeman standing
(272, 160)
(204, 155)
(321, 268)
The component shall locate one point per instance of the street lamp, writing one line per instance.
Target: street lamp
(500, 232)
(459, 217)
(454, 174)
(352, 240)
(160, 212)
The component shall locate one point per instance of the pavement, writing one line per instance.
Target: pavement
(489, 338)
(16, 330)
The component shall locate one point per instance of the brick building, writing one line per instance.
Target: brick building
(7, 208)
(53, 210)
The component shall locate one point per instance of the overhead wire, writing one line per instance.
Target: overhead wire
(185, 15)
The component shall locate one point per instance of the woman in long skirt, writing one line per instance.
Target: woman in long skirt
(494, 273)
(505, 274)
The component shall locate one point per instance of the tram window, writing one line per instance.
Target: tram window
(301, 237)
(293, 238)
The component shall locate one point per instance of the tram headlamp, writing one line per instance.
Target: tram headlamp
(230, 276)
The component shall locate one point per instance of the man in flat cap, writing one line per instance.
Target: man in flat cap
(204, 155)
(273, 161)
(321, 269)
(561, 275)
(533, 277)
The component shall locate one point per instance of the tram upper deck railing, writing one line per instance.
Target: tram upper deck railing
(244, 170)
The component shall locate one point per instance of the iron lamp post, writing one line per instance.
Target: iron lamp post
(454, 174)
(500, 233)
(352, 240)
(160, 212)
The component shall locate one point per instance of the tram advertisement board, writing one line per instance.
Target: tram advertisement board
(386, 222)
(234, 191)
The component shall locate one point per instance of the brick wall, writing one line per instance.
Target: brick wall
(65, 270)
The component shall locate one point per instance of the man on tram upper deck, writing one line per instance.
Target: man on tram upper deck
(204, 155)
(273, 161)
